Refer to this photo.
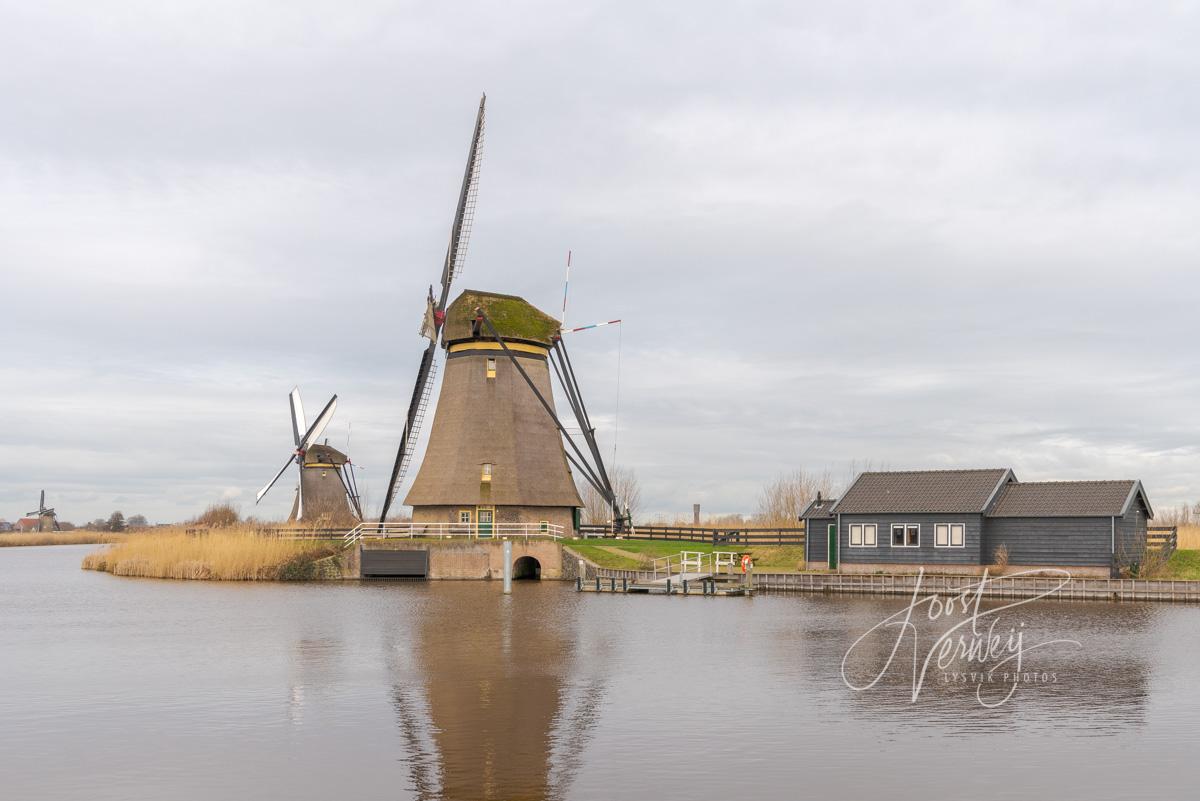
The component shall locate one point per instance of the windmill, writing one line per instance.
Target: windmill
(46, 517)
(326, 488)
(496, 452)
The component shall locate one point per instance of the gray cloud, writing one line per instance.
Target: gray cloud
(837, 233)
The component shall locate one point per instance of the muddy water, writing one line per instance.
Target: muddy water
(144, 689)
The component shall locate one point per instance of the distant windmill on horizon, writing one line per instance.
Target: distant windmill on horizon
(327, 489)
(46, 517)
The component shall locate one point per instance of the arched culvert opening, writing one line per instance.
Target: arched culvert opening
(527, 567)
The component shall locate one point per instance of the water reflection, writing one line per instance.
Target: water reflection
(314, 664)
(483, 694)
(134, 689)
(1100, 686)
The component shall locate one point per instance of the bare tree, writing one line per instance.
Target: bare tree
(629, 494)
(782, 501)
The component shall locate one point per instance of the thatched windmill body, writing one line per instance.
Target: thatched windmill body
(494, 454)
(498, 452)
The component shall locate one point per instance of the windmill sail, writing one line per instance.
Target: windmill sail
(456, 252)
(298, 423)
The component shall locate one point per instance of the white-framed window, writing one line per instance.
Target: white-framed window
(464, 516)
(906, 535)
(949, 535)
(491, 368)
(863, 535)
(486, 475)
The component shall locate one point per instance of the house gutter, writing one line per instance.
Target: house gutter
(837, 541)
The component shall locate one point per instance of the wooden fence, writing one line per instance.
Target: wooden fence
(283, 533)
(1165, 538)
(717, 536)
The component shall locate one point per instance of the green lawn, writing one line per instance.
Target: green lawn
(1184, 565)
(608, 553)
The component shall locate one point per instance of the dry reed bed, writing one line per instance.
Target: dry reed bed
(235, 554)
(1189, 538)
(76, 537)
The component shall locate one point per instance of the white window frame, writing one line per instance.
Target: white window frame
(905, 527)
(491, 367)
(464, 516)
(868, 535)
(951, 529)
(487, 470)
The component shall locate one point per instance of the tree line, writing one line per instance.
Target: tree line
(118, 522)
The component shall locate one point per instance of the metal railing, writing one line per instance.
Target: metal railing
(694, 562)
(472, 531)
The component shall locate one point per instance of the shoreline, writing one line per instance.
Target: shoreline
(34, 539)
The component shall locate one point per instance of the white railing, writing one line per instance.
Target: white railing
(693, 559)
(695, 562)
(473, 531)
(726, 559)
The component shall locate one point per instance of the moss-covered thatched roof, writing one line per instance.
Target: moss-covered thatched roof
(514, 318)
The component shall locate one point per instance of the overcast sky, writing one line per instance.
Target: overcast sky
(919, 235)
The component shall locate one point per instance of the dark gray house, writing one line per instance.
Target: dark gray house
(956, 521)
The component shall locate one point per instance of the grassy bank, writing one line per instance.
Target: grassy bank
(1184, 564)
(638, 554)
(76, 537)
(235, 554)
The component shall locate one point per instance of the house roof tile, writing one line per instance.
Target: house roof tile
(1068, 499)
(928, 491)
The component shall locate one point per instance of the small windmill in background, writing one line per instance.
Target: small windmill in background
(46, 517)
(326, 488)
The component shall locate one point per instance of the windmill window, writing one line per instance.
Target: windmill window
(465, 516)
(487, 472)
(491, 368)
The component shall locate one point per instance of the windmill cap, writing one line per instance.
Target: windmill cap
(514, 318)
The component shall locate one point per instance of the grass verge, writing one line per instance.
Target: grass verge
(1185, 565)
(235, 554)
(639, 554)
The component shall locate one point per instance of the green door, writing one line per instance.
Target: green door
(485, 522)
(833, 547)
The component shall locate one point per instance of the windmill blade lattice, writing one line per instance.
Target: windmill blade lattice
(456, 252)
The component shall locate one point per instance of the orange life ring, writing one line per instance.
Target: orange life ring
(746, 563)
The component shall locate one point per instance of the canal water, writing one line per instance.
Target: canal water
(114, 688)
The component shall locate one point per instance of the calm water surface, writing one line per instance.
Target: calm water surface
(116, 688)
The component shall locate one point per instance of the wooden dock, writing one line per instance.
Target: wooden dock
(1076, 589)
(705, 584)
